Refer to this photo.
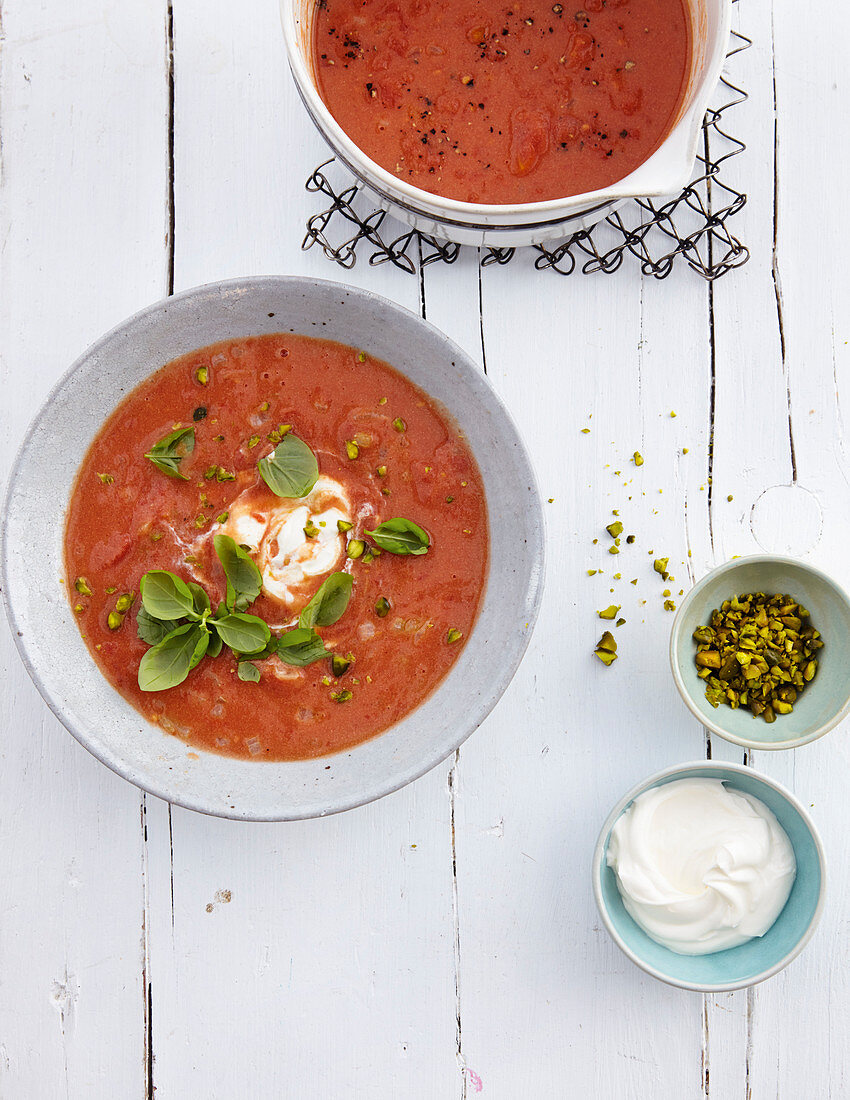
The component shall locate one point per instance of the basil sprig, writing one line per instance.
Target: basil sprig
(177, 621)
(329, 603)
(167, 453)
(401, 536)
(291, 470)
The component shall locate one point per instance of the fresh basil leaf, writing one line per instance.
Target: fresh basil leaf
(214, 648)
(166, 596)
(300, 646)
(200, 600)
(167, 453)
(329, 603)
(244, 580)
(267, 651)
(202, 646)
(248, 672)
(291, 470)
(243, 633)
(153, 630)
(401, 536)
(168, 664)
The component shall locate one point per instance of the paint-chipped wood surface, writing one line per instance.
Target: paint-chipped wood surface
(442, 942)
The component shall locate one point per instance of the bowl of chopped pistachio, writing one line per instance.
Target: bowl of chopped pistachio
(760, 652)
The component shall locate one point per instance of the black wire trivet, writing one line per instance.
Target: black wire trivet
(692, 225)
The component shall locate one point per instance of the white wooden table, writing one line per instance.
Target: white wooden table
(442, 942)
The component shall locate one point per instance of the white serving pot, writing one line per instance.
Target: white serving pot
(666, 172)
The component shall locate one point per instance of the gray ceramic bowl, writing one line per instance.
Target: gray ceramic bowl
(43, 624)
(758, 958)
(826, 699)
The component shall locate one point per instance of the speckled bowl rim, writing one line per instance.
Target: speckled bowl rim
(675, 638)
(441, 747)
(602, 846)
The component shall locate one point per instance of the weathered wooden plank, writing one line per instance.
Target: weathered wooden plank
(82, 120)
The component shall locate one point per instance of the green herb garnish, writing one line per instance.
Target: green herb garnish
(169, 452)
(329, 603)
(291, 470)
(244, 580)
(401, 536)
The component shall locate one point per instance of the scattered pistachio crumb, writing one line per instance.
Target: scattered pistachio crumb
(253, 441)
(609, 612)
(620, 622)
(202, 375)
(606, 649)
(585, 431)
(637, 458)
(222, 517)
(592, 572)
(107, 479)
(684, 450)
(672, 413)
(660, 566)
(454, 635)
(613, 549)
(382, 401)
(666, 592)
(614, 529)
(730, 497)
(669, 605)
(618, 576)
(630, 539)
(551, 499)
(634, 581)
(361, 358)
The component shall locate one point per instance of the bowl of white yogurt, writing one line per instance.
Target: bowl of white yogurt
(709, 876)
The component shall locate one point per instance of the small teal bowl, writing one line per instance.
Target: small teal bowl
(759, 958)
(825, 701)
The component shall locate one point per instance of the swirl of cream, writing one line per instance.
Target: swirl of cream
(701, 867)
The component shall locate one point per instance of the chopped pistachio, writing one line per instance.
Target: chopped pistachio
(222, 517)
(156, 536)
(592, 572)
(614, 529)
(585, 431)
(200, 521)
(224, 475)
(264, 407)
(609, 612)
(669, 605)
(82, 586)
(361, 358)
(351, 449)
(660, 566)
(382, 400)
(210, 472)
(78, 607)
(253, 441)
(637, 458)
(368, 557)
(107, 479)
(620, 622)
(730, 497)
(114, 620)
(310, 529)
(341, 696)
(202, 375)
(382, 607)
(399, 424)
(672, 414)
(634, 581)
(613, 549)
(355, 548)
(606, 648)
(343, 525)
(340, 665)
(630, 539)
(111, 590)
(454, 635)
(381, 471)
(125, 602)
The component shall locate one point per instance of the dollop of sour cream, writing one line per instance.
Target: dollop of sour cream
(274, 530)
(701, 867)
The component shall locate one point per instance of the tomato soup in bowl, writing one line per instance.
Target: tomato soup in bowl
(492, 124)
(282, 589)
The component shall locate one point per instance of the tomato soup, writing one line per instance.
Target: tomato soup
(179, 491)
(495, 103)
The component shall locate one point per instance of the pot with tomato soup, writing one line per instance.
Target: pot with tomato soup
(494, 124)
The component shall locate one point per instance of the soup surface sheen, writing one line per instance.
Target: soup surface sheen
(498, 103)
(126, 517)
